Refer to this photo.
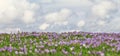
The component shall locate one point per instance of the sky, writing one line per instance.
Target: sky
(59, 15)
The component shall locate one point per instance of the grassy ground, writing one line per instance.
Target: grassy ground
(56, 45)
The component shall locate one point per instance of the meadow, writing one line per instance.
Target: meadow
(59, 44)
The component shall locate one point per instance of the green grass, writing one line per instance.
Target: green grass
(77, 49)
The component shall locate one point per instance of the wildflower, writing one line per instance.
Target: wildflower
(80, 54)
(71, 48)
(42, 46)
(21, 52)
(73, 53)
(36, 50)
(46, 50)
(16, 52)
(53, 50)
(9, 49)
(65, 52)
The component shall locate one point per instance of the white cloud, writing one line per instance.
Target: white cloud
(63, 23)
(14, 9)
(9, 30)
(6, 11)
(44, 26)
(101, 23)
(62, 15)
(28, 17)
(114, 24)
(69, 31)
(46, 1)
(58, 17)
(74, 2)
(81, 23)
(103, 8)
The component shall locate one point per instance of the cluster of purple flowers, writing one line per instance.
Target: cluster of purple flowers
(52, 42)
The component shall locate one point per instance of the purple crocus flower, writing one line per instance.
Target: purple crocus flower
(21, 52)
(36, 50)
(65, 52)
(118, 49)
(80, 54)
(5, 47)
(47, 51)
(2, 49)
(53, 50)
(73, 53)
(42, 46)
(9, 49)
(16, 52)
(100, 53)
(25, 49)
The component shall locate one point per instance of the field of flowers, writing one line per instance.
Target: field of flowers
(59, 44)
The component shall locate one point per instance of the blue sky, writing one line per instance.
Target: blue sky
(60, 15)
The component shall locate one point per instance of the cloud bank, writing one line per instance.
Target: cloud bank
(60, 15)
